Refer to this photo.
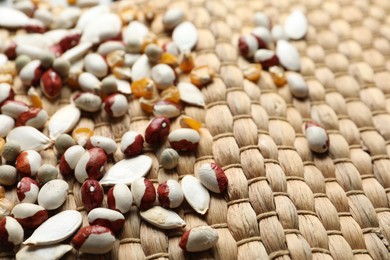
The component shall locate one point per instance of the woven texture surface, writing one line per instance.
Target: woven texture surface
(283, 201)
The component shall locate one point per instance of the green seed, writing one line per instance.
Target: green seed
(63, 142)
(169, 158)
(21, 61)
(61, 66)
(47, 59)
(109, 86)
(153, 52)
(11, 151)
(8, 175)
(47, 173)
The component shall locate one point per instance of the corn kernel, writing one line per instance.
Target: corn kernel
(171, 94)
(188, 122)
(115, 59)
(149, 39)
(6, 78)
(143, 88)
(36, 100)
(9, 68)
(82, 134)
(252, 72)
(278, 76)
(169, 59)
(187, 62)
(201, 76)
(148, 104)
(2, 192)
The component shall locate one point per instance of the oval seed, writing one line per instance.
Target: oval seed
(166, 109)
(21, 61)
(53, 194)
(63, 142)
(109, 86)
(94, 240)
(13, 108)
(92, 194)
(116, 105)
(195, 194)
(157, 130)
(163, 75)
(11, 233)
(27, 190)
(143, 192)
(6, 93)
(317, 137)
(184, 139)
(89, 102)
(46, 173)
(91, 165)
(163, 218)
(35, 117)
(154, 52)
(169, 159)
(247, 45)
(120, 198)
(288, 55)
(213, 177)
(199, 239)
(11, 151)
(7, 124)
(107, 218)
(28, 162)
(70, 159)
(46, 59)
(95, 64)
(61, 66)
(132, 143)
(172, 18)
(298, 86)
(29, 215)
(8, 175)
(170, 194)
(106, 143)
(296, 25)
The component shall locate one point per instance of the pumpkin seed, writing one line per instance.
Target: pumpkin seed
(63, 121)
(29, 138)
(195, 194)
(185, 36)
(190, 94)
(51, 252)
(163, 218)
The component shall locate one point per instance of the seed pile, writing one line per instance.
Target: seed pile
(106, 63)
(269, 48)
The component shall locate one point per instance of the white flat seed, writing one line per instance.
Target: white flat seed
(127, 170)
(195, 194)
(89, 82)
(163, 218)
(298, 86)
(166, 109)
(106, 27)
(33, 39)
(190, 94)
(6, 92)
(120, 198)
(135, 31)
(25, 6)
(7, 123)
(141, 68)
(77, 52)
(51, 252)
(67, 18)
(95, 64)
(172, 18)
(53, 194)
(3, 59)
(89, 102)
(124, 86)
(295, 25)
(288, 55)
(278, 33)
(106, 143)
(317, 137)
(87, 3)
(110, 46)
(12, 18)
(29, 138)
(185, 36)
(63, 121)
(56, 229)
(163, 75)
(44, 15)
(131, 58)
(30, 50)
(90, 15)
(199, 239)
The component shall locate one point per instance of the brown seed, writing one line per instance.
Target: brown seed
(120, 198)
(51, 84)
(91, 165)
(184, 139)
(107, 218)
(28, 163)
(92, 194)
(213, 177)
(157, 130)
(170, 194)
(144, 193)
(11, 233)
(132, 143)
(35, 117)
(116, 105)
(29, 215)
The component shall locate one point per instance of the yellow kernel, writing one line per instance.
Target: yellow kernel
(71, 2)
(201, 76)
(2, 192)
(171, 94)
(169, 59)
(36, 100)
(143, 88)
(252, 72)
(187, 62)
(123, 73)
(9, 68)
(82, 134)
(149, 39)
(115, 59)
(2, 144)
(188, 122)
(6, 78)
(278, 76)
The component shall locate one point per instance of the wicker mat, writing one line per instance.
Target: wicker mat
(283, 201)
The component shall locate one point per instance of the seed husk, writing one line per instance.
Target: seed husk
(50, 252)
(56, 229)
(195, 194)
(163, 218)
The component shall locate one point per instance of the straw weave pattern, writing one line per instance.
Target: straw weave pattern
(283, 201)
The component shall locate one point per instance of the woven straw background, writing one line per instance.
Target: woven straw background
(283, 202)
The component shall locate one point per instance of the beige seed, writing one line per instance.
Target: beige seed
(8, 175)
(169, 158)
(47, 172)
(63, 142)
(11, 151)
(6, 207)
